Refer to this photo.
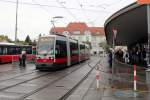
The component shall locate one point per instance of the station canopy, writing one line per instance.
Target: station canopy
(130, 24)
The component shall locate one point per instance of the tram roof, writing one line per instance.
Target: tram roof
(5, 43)
(130, 23)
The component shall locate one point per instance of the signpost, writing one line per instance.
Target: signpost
(114, 37)
(148, 26)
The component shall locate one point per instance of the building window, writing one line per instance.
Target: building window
(76, 32)
(87, 33)
(97, 33)
(65, 33)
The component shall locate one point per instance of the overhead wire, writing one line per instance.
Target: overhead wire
(116, 2)
(81, 6)
(67, 10)
(26, 3)
(41, 7)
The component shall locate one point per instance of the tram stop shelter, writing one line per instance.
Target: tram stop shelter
(132, 25)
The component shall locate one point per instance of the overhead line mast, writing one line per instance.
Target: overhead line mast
(16, 25)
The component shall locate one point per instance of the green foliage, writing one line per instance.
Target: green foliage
(28, 40)
(5, 38)
(104, 45)
(34, 43)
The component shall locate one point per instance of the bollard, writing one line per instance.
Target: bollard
(135, 80)
(148, 78)
(97, 77)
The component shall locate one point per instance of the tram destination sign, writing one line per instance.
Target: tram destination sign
(143, 2)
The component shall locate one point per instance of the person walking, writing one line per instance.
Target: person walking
(126, 57)
(110, 58)
(20, 60)
(23, 58)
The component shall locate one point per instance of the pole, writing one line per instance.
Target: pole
(16, 25)
(148, 26)
(134, 77)
(113, 60)
(135, 88)
(53, 26)
(97, 77)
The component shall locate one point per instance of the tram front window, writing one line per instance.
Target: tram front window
(45, 46)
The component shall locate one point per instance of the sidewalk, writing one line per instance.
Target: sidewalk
(87, 90)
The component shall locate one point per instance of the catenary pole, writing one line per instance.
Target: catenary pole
(16, 24)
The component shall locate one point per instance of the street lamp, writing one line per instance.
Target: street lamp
(53, 21)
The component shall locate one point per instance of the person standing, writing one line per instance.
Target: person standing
(110, 58)
(20, 60)
(126, 57)
(23, 58)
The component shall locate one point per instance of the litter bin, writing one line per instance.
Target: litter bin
(148, 78)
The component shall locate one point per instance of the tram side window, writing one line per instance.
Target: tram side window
(74, 49)
(9, 50)
(14, 50)
(82, 48)
(29, 50)
(19, 50)
(61, 49)
(1, 51)
(4, 51)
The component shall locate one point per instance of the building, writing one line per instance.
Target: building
(132, 26)
(83, 33)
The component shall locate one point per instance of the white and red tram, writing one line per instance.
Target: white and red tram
(59, 51)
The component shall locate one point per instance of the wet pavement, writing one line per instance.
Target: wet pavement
(88, 91)
(18, 83)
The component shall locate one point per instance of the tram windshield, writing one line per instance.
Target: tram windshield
(46, 46)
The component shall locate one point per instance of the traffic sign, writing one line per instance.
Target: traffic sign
(115, 32)
(143, 2)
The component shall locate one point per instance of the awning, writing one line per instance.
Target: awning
(130, 23)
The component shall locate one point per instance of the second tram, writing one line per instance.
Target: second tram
(10, 52)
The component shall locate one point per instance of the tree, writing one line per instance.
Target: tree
(34, 43)
(28, 40)
(104, 45)
(5, 38)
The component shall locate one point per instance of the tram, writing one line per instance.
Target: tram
(11, 51)
(59, 51)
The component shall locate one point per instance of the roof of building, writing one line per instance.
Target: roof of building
(130, 24)
(78, 26)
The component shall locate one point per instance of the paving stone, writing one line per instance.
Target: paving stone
(10, 96)
(11, 82)
(23, 88)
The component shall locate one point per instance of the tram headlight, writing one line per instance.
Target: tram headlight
(51, 57)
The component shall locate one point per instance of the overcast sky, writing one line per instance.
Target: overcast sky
(34, 16)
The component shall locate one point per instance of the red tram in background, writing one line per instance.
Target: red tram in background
(10, 52)
(59, 51)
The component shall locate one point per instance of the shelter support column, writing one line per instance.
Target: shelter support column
(148, 44)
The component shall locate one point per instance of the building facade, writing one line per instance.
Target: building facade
(83, 33)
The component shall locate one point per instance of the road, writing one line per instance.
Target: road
(77, 82)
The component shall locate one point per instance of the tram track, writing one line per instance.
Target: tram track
(50, 83)
(66, 95)
(2, 89)
(16, 76)
(17, 73)
(41, 76)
